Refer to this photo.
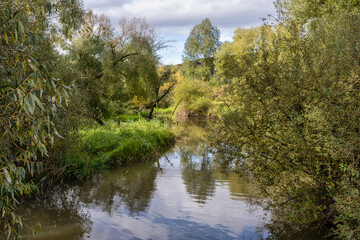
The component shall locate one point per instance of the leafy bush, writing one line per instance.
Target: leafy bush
(195, 96)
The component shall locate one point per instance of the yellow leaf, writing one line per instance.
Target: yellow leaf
(6, 38)
(28, 9)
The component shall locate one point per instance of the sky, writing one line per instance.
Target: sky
(174, 19)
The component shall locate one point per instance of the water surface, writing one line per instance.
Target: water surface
(180, 196)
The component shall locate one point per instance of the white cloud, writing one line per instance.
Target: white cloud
(174, 18)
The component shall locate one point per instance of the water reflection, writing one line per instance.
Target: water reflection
(62, 214)
(197, 175)
(182, 196)
(200, 169)
(280, 230)
(131, 187)
(239, 186)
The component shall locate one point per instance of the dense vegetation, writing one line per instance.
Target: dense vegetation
(48, 97)
(31, 96)
(287, 94)
(115, 145)
(294, 110)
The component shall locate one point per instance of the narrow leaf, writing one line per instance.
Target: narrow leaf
(57, 134)
(7, 175)
(37, 100)
(6, 38)
(20, 29)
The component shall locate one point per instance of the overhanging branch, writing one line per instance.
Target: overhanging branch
(122, 58)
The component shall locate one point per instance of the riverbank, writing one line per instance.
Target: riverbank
(117, 143)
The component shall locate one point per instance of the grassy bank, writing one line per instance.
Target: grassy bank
(116, 144)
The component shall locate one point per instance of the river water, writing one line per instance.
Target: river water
(180, 196)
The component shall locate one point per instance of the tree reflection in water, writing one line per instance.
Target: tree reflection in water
(278, 229)
(197, 175)
(62, 212)
(196, 161)
(122, 202)
(131, 188)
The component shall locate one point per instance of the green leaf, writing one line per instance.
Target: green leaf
(12, 168)
(20, 29)
(16, 36)
(32, 101)
(31, 168)
(7, 175)
(33, 67)
(57, 134)
(28, 107)
(21, 172)
(37, 100)
(48, 7)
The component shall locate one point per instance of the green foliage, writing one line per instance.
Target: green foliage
(232, 57)
(88, 51)
(164, 112)
(131, 117)
(194, 97)
(115, 66)
(294, 110)
(30, 99)
(199, 50)
(115, 145)
(305, 10)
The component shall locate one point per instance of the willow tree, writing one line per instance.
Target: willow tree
(140, 40)
(88, 50)
(30, 98)
(115, 65)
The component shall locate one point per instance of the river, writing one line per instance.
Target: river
(180, 196)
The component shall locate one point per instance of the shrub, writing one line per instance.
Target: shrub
(195, 96)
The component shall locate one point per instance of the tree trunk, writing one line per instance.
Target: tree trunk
(152, 106)
(98, 120)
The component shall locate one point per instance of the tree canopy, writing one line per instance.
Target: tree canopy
(115, 66)
(199, 50)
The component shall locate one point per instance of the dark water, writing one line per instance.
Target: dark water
(181, 196)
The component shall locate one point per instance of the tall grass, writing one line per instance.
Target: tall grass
(116, 144)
